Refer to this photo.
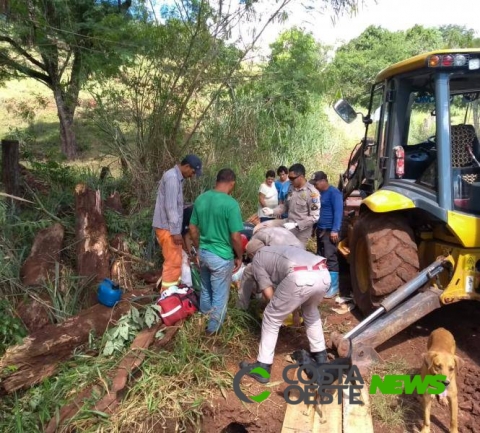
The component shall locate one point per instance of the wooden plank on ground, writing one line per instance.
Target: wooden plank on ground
(298, 417)
(328, 417)
(357, 418)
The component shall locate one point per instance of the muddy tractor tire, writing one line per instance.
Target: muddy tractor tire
(384, 256)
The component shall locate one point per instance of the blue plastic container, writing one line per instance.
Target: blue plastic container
(109, 293)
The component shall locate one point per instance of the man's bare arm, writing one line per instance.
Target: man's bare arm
(268, 293)
(237, 247)
(194, 234)
(261, 199)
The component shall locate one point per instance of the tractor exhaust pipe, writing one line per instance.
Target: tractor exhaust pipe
(364, 340)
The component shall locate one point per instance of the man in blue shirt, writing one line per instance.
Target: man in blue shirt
(282, 185)
(328, 227)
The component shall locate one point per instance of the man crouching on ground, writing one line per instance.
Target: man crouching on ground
(215, 228)
(289, 277)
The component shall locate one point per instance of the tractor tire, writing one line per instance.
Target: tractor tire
(384, 256)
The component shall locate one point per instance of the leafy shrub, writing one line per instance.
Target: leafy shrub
(12, 330)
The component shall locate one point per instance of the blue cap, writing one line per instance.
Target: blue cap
(194, 162)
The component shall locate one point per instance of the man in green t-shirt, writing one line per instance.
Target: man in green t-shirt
(215, 228)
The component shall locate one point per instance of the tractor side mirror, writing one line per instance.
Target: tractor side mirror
(345, 111)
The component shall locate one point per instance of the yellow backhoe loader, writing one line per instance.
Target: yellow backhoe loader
(413, 239)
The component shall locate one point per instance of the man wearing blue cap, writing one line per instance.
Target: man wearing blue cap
(328, 227)
(168, 216)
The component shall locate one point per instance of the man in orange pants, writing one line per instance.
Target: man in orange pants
(167, 219)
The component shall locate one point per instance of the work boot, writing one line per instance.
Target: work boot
(333, 290)
(265, 378)
(320, 357)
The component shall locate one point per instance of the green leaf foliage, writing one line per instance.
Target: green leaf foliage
(128, 326)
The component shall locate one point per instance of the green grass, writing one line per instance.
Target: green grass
(390, 410)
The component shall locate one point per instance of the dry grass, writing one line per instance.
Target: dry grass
(390, 410)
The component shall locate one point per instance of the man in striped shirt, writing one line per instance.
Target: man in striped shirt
(167, 219)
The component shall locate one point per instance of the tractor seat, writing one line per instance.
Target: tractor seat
(461, 137)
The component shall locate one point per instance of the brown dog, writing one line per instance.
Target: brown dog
(441, 359)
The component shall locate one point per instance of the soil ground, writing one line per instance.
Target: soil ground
(461, 319)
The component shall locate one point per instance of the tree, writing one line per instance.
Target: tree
(61, 44)
(293, 73)
(357, 62)
(458, 37)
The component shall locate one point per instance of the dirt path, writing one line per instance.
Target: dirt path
(461, 319)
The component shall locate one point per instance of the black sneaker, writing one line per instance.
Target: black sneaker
(263, 377)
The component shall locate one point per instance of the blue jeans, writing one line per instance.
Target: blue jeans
(216, 277)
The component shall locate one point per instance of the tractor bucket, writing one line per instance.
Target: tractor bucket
(390, 318)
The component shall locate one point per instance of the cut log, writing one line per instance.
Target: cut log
(69, 411)
(128, 365)
(40, 264)
(34, 312)
(91, 234)
(42, 351)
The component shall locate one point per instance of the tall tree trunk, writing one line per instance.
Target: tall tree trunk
(67, 135)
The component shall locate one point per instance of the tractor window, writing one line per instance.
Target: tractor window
(420, 147)
(375, 132)
(465, 148)
(422, 119)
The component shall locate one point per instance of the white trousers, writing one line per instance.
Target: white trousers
(303, 289)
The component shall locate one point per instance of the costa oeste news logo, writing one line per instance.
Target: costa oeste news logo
(314, 385)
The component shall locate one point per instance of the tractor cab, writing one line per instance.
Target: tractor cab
(421, 139)
(413, 245)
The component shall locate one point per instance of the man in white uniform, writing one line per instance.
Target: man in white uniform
(289, 278)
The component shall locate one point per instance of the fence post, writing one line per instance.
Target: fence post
(11, 167)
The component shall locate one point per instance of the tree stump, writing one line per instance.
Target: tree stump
(40, 264)
(93, 255)
(10, 166)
